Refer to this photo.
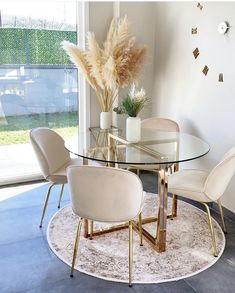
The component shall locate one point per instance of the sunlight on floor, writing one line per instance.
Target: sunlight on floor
(8, 192)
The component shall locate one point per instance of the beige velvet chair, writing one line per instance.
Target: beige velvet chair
(205, 187)
(53, 159)
(159, 124)
(105, 194)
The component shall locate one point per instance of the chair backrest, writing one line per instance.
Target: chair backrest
(219, 178)
(160, 124)
(49, 149)
(104, 194)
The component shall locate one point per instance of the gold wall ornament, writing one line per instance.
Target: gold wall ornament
(199, 5)
(205, 70)
(221, 77)
(196, 53)
(222, 28)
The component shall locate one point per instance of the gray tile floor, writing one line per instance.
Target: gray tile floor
(28, 265)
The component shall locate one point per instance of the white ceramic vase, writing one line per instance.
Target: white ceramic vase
(105, 120)
(133, 129)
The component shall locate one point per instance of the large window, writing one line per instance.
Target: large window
(38, 83)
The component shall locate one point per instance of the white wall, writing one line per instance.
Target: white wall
(142, 19)
(100, 16)
(202, 105)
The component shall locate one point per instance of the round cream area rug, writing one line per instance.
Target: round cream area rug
(189, 246)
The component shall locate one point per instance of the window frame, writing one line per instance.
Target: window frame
(83, 86)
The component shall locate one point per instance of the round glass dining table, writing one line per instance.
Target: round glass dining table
(158, 150)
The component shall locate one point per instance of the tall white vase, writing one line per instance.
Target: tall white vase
(133, 129)
(105, 120)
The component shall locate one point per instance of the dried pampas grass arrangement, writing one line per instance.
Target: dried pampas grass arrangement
(112, 67)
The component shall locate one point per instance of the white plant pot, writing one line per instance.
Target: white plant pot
(105, 120)
(133, 129)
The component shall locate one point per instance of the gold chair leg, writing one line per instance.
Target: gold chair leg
(222, 215)
(91, 229)
(138, 172)
(174, 206)
(140, 227)
(46, 203)
(130, 252)
(211, 229)
(61, 193)
(76, 246)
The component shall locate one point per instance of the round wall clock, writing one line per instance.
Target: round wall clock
(223, 27)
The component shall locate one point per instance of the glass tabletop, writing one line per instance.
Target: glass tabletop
(155, 147)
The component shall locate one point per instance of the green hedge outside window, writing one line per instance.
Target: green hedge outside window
(34, 47)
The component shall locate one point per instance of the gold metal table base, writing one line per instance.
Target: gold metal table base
(158, 241)
(148, 237)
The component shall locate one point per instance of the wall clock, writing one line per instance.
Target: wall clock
(223, 28)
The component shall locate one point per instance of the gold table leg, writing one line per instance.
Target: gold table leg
(162, 212)
(158, 242)
(91, 229)
(174, 199)
(86, 233)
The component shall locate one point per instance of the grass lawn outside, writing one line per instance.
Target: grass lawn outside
(15, 129)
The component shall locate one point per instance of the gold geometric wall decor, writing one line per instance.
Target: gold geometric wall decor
(205, 69)
(222, 28)
(221, 77)
(196, 53)
(199, 5)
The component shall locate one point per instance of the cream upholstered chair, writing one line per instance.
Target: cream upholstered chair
(53, 159)
(159, 124)
(205, 187)
(105, 194)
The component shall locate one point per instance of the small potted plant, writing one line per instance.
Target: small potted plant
(131, 105)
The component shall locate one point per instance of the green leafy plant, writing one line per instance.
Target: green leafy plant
(133, 103)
